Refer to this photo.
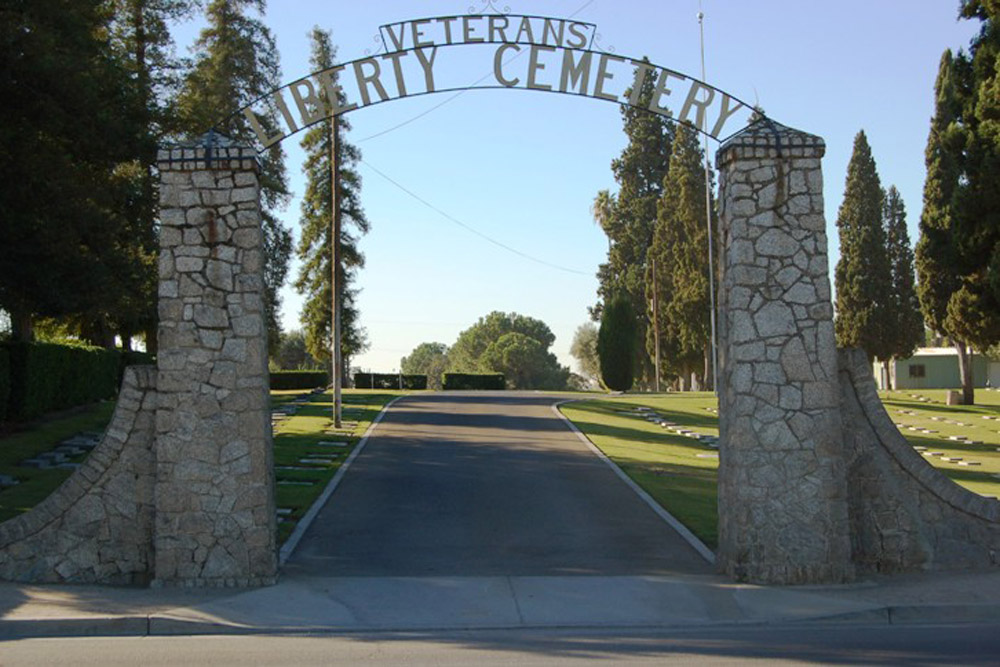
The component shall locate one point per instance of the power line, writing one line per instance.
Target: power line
(469, 228)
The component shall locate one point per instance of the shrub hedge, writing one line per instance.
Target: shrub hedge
(299, 379)
(389, 381)
(467, 381)
(4, 382)
(49, 376)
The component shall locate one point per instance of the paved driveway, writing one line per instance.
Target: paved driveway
(485, 484)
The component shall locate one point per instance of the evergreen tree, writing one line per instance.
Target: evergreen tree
(680, 250)
(616, 342)
(512, 344)
(863, 275)
(958, 254)
(628, 217)
(905, 324)
(237, 62)
(584, 349)
(314, 249)
(428, 359)
(67, 123)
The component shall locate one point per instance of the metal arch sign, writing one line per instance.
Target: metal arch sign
(556, 55)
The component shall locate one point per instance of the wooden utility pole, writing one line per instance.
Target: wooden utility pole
(335, 356)
(656, 328)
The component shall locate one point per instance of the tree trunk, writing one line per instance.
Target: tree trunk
(888, 377)
(151, 340)
(965, 373)
(22, 326)
(709, 379)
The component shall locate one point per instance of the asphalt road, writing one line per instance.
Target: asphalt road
(485, 484)
(767, 644)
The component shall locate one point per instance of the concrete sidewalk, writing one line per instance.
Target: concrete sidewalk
(372, 604)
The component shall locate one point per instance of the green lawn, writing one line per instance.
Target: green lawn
(295, 438)
(680, 473)
(299, 436)
(35, 485)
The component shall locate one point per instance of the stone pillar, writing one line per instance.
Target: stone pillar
(215, 512)
(782, 489)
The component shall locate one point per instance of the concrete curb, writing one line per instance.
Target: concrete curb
(667, 517)
(166, 626)
(303, 525)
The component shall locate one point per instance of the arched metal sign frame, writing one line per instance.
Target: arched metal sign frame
(582, 72)
(565, 45)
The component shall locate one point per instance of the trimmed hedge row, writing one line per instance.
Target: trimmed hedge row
(36, 378)
(389, 381)
(299, 379)
(4, 382)
(467, 381)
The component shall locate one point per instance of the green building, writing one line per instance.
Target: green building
(936, 368)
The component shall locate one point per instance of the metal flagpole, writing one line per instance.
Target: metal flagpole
(708, 212)
(656, 325)
(335, 359)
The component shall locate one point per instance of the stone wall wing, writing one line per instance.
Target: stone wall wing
(97, 527)
(905, 514)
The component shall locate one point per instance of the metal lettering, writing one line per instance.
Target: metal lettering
(575, 31)
(498, 65)
(332, 91)
(661, 90)
(494, 20)
(427, 64)
(534, 66)
(418, 33)
(447, 21)
(364, 80)
(279, 101)
(303, 102)
(603, 75)
(258, 129)
(643, 68)
(693, 101)
(397, 40)
(547, 28)
(575, 73)
(397, 70)
(467, 30)
(724, 114)
(525, 27)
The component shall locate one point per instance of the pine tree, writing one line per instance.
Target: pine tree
(616, 343)
(237, 62)
(314, 279)
(67, 123)
(628, 217)
(863, 275)
(905, 324)
(680, 249)
(958, 254)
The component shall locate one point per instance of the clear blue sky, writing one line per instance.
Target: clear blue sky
(523, 168)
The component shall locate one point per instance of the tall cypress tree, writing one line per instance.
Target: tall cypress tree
(237, 62)
(314, 279)
(958, 254)
(628, 217)
(680, 248)
(616, 343)
(863, 275)
(905, 324)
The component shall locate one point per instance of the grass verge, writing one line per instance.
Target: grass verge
(681, 474)
(300, 469)
(35, 485)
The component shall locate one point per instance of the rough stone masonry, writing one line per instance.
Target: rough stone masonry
(782, 489)
(214, 494)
